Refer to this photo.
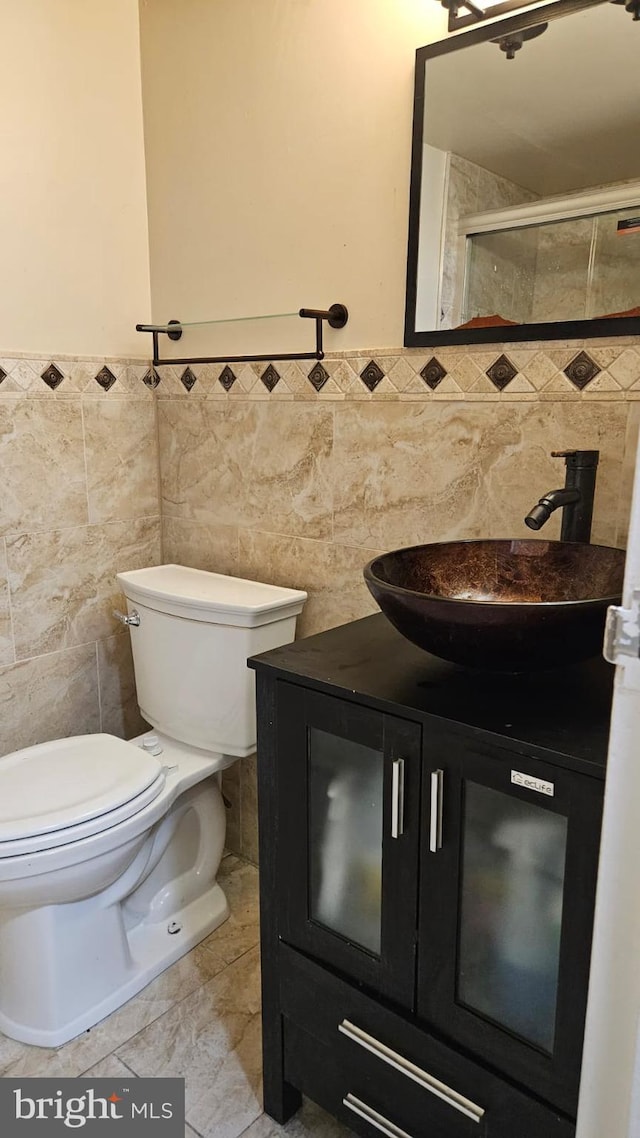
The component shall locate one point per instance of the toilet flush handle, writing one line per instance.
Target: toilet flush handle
(134, 619)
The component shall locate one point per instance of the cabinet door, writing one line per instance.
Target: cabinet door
(508, 885)
(349, 800)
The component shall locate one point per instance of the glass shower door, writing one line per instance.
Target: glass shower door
(514, 272)
(614, 285)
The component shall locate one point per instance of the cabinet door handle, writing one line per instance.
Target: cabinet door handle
(435, 825)
(397, 798)
(405, 1067)
(370, 1115)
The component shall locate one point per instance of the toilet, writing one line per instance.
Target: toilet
(109, 850)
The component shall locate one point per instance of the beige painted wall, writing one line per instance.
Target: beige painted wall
(278, 140)
(73, 225)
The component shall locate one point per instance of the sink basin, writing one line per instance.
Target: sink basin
(506, 605)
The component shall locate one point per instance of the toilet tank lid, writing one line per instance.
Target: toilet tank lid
(55, 785)
(212, 597)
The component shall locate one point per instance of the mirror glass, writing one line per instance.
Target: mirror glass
(525, 209)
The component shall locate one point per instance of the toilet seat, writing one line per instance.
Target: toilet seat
(72, 788)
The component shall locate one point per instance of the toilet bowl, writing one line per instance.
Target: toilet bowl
(109, 850)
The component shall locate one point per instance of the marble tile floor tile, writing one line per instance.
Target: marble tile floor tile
(199, 1020)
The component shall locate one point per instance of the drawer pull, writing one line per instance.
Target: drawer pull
(422, 1078)
(397, 798)
(372, 1116)
(435, 823)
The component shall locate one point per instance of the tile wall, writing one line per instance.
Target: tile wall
(297, 474)
(293, 473)
(79, 502)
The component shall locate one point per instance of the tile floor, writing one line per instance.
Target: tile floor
(199, 1020)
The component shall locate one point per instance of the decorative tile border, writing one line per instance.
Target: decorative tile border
(552, 370)
(188, 379)
(105, 378)
(63, 377)
(372, 375)
(581, 370)
(501, 372)
(270, 377)
(433, 373)
(318, 376)
(53, 377)
(227, 378)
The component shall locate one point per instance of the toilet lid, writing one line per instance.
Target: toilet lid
(70, 781)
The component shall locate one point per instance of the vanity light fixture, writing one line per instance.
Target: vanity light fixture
(513, 41)
(465, 13)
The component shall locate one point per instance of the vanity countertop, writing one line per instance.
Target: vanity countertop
(563, 715)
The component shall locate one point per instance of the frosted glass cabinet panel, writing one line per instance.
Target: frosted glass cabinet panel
(511, 911)
(345, 837)
(505, 910)
(348, 837)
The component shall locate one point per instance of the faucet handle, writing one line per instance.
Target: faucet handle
(578, 457)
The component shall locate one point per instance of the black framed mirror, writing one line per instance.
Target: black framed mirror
(524, 220)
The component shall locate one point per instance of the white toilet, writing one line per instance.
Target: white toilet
(109, 850)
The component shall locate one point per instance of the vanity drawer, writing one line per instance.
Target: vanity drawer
(367, 1097)
(339, 1043)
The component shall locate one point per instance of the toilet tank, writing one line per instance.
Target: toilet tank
(191, 646)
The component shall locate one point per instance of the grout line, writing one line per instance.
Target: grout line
(246, 1129)
(240, 810)
(111, 1055)
(123, 1064)
(332, 474)
(65, 648)
(156, 420)
(128, 522)
(177, 1004)
(10, 609)
(98, 681)
(84, 455)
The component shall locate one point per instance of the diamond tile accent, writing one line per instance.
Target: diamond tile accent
(188, 378)
(501, 372)
(625, 369)
(52, 376)
(3, 374)
(318, 376)
(227, 378)
(371, 375)
(582, 370)
(151, 378)
(270, 377)
(433, 373)
(105, 378)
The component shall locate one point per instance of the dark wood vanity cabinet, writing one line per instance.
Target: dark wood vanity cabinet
(427, 885)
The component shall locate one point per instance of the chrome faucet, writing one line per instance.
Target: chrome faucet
(575, 499)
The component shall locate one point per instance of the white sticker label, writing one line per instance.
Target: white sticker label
(531, 783)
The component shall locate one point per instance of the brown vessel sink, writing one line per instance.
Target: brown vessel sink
(505, 605)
